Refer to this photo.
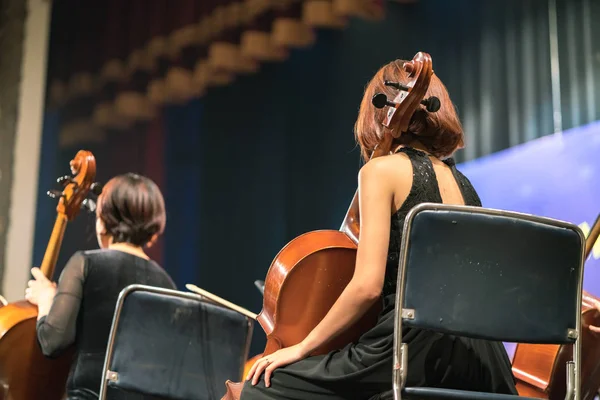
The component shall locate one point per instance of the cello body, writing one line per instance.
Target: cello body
(311, 291)
(25, 373)
(540, 370)
(309, 278)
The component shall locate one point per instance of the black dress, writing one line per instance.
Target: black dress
(83, 310)
(364, 369)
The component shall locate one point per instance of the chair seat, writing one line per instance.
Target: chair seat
(425, 393)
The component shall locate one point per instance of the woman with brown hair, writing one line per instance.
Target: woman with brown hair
(416, 170)
(130, 214)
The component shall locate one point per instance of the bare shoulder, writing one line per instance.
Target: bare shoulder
(387, 169)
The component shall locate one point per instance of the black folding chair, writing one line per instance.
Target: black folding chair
(166, 344)
(488, 274)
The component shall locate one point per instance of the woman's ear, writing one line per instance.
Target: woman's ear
(104, 240)
(100, 227)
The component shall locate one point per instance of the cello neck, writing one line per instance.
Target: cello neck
(351, 224)
(53, 248)
(71, 199)
(590, 241)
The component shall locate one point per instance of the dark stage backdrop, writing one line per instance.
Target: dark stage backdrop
(248, 167)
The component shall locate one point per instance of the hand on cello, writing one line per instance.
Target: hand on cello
(40, 292)
(280, 358)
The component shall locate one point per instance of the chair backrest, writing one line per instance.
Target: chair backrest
(491, 274)
(174, 345)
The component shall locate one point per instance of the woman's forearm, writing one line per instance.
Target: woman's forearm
(352, 304)
(43, 309)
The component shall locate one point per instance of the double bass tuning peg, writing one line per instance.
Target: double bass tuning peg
(55, 194)
(89, 205)
(64, 180)
(396, 85)
(380, 100)
(96, 188)
(432, 104)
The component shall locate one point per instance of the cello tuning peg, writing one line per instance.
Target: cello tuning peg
(64, 180)
(396, 85)
(88, 205)
(55, 194)
(380, 100)
(432, 104)
(96, 188)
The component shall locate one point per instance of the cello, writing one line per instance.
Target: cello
(540, 370)
(309, 274)
(25, 373)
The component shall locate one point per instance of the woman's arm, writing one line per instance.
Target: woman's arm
(375, 201)
(376, 194)
(57, 317)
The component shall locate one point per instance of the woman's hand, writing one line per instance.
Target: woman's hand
(278, 359)
(40, 291)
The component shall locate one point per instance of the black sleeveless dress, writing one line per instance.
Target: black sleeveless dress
(363, 370)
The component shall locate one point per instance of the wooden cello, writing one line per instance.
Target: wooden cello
(540, 369)
(25, 374)
(310, 272)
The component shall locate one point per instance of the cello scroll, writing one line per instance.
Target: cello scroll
(410, 96)
(71, 199)
(76, 188)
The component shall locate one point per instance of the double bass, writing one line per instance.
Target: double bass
(25, 373)
(309, 274)
(540, 370)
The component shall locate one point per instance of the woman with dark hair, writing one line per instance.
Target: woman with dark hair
(130, 215)
(416, 170)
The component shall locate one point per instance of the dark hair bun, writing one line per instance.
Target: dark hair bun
(132, 209)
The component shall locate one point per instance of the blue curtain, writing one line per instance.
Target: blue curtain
(182, 192)
(46, 207)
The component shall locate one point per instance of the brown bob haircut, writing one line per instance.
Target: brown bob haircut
(440, 132)
(132, 209)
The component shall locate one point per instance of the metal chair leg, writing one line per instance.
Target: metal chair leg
(570, 395)
(400, 372)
